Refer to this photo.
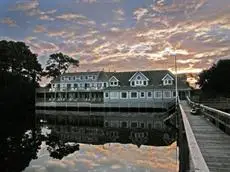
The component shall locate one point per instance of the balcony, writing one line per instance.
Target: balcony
(63, 89)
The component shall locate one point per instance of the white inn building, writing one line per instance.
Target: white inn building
(134, 88)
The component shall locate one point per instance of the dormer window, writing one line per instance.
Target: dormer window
(167, 80)
(113, 81)
(138, 79)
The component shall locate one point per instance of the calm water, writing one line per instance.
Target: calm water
(93, 142)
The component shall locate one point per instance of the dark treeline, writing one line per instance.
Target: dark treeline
(20, 73)
(215, 81)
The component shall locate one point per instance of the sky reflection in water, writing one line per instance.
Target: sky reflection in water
(110, 157)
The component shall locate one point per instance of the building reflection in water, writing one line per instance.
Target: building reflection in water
(101, 128)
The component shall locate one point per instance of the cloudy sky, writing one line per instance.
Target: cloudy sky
(122, 34)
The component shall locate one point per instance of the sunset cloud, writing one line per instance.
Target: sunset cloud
(39, 28)
(117, 35)
(9, 21)
(139, 13)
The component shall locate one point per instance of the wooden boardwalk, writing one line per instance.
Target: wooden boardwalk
(214, 144)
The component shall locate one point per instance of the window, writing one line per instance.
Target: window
(174, 93)
(114, 95)
(142, 125)
(106, 94)
(158, 94)
(142, 94)
(149, 126)
(106, 124)
(133, 125)
(132, 83)
(124, 124)
(86, 77)
(144, 82)
(133, 94)
(69, 78)
(138, 77)
(149, 94)
(62, 78)
(58, 85)
(115, 83)
(75, 85)
(94, 77)
(105, 84)
(81, 77)
(99, 85)
(111, 83)
(68, 85)
(123, 95)
(167, 94)
(168, 82)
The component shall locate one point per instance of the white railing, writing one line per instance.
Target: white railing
(73, 89)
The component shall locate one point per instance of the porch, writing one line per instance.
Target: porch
(92, 97)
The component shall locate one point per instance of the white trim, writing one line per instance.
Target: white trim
(130, 93)
(168, 76)
(136, 74)
(127, 124)
(126, 95)
(112, 93)
(148, 94)
(170, 93)
(144, 94)
(155, 93)
(114, 78)
(166, 82)
(107, 97)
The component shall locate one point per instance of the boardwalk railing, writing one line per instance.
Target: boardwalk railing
(219, 118)
(191, 158)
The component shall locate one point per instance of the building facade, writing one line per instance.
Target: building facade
(142, 88)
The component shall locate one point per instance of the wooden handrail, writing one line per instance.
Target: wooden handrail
(197, 158)
(225, 114)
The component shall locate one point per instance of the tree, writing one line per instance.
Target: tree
(215, 81)
(17, 59)
(57, 64)
(19, 75)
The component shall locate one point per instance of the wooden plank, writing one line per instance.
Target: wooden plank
(198, 161)
(214, 144)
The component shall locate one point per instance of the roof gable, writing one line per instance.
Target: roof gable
(138, 73)
(113, 78)
(167, 76)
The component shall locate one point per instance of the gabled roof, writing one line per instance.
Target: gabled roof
(137, 74)
(114, 78)
(155, 78)
(167, 75)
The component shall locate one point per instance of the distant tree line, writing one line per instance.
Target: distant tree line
(215, 81)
